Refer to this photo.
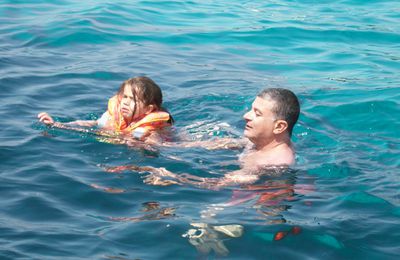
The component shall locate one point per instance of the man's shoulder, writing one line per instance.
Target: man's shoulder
(282, 155)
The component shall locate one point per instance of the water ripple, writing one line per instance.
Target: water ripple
(210, 59)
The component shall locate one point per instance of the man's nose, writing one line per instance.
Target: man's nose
(246, 116)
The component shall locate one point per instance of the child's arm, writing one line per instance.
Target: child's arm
(85, 123)
(48, 120)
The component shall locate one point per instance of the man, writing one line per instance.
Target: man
(269, 126)
(268, 130)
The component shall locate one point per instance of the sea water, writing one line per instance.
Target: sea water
(67, 57)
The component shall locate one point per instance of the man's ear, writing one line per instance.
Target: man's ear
(280, 126)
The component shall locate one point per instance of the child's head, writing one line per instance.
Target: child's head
(139, 96)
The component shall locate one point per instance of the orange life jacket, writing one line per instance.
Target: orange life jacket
(150, 122)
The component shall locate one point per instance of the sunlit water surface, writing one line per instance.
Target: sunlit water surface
(67, 57)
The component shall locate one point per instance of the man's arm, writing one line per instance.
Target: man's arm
(164, 177)
(234, 178)
(214, 144)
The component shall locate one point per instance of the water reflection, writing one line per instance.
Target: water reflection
(153, 212)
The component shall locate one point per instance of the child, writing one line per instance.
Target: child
(136, 110)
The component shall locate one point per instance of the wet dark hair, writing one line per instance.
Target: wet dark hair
(145, 90)
(286, 107)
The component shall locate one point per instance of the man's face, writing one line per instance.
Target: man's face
(260, 121)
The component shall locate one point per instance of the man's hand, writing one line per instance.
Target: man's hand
(154, 179)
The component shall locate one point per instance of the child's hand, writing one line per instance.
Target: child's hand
(45, 118)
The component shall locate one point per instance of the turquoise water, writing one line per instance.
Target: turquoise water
(341, 58)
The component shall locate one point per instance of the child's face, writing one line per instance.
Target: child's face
(128, 105)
